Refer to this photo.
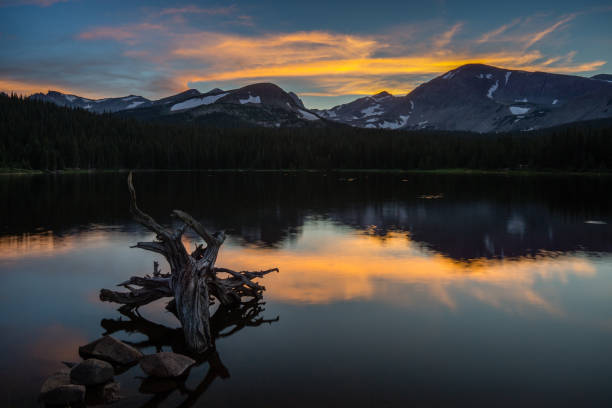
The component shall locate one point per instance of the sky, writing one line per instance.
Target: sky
(328, 52)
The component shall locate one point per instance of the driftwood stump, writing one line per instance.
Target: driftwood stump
(194, 281)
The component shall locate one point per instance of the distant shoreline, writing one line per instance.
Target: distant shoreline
(507, 172)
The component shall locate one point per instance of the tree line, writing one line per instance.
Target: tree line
(43, 136)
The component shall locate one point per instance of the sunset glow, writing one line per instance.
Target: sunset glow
(191, 46)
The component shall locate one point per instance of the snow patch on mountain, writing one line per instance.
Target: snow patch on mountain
(403, 119)
(518, 110)
(483, 76)
(129, 98)
(521, 100)
(555, 102)
(508, 76)
(492, 89)
(194, 102)
(70, 97)
(372, 111)
(449, 75)
(134, 104)
(251, 99)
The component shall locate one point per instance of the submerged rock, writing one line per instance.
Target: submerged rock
(165, 364)
(57, 390)
(112, 350)
(103, 394)
(92, 372)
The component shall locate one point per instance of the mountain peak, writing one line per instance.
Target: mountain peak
(382, 94)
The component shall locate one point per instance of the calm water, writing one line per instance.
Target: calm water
(394, 290)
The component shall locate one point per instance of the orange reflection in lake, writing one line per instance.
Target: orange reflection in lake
(330, 263)
(47, 243)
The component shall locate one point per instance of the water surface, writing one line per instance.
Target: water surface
(394, 289)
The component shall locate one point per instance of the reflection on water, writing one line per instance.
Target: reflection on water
(498, 291)
(331, 264)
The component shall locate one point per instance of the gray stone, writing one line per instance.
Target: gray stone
(57, 390)
(92, 372)
(103, 394)
(112, 350)
(165, 364)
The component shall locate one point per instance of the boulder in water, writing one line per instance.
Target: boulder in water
(92, 372)
(57, 390)
(165, 364)
(110, 349)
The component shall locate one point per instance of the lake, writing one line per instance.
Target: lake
(394, 290)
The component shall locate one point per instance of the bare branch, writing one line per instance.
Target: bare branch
(199, 229)
(143, 218)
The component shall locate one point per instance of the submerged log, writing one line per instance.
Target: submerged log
(194, 281)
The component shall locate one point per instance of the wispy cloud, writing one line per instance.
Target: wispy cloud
(538, 36)
(497, 32)
(129, 33)
(40, 3)
(445, 39)
(193, 9)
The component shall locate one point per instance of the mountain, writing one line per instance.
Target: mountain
(93, 105)
(262, 104)
(603, 77)
(483, 98)
(473, 97)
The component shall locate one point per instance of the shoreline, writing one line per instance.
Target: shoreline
(459, 171)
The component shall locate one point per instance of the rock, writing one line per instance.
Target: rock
(112, 350)
(92, 372)
(165, 364)
(103, 394)
(57, 390)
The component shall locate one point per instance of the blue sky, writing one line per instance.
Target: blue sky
(327, 52)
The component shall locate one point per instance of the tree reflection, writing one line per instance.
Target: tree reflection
(224, 322)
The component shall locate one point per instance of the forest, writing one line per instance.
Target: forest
(42, 136)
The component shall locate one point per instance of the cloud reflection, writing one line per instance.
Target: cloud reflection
(331, 263)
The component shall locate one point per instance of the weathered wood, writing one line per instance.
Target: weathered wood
(192, 281)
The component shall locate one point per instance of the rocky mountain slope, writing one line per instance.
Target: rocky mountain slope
(262, 104)
(93, 105)
(483, 98)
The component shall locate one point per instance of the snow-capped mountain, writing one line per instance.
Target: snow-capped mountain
(93, 105)
(262, 104)
(473, 97)
(483, 98)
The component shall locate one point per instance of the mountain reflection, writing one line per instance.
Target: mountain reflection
(475, 216)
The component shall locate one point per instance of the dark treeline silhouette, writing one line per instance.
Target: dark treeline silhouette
(37, 135)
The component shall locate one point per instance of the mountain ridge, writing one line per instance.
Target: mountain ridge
(472, 97)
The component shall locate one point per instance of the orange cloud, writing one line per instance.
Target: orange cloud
(327, 63)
